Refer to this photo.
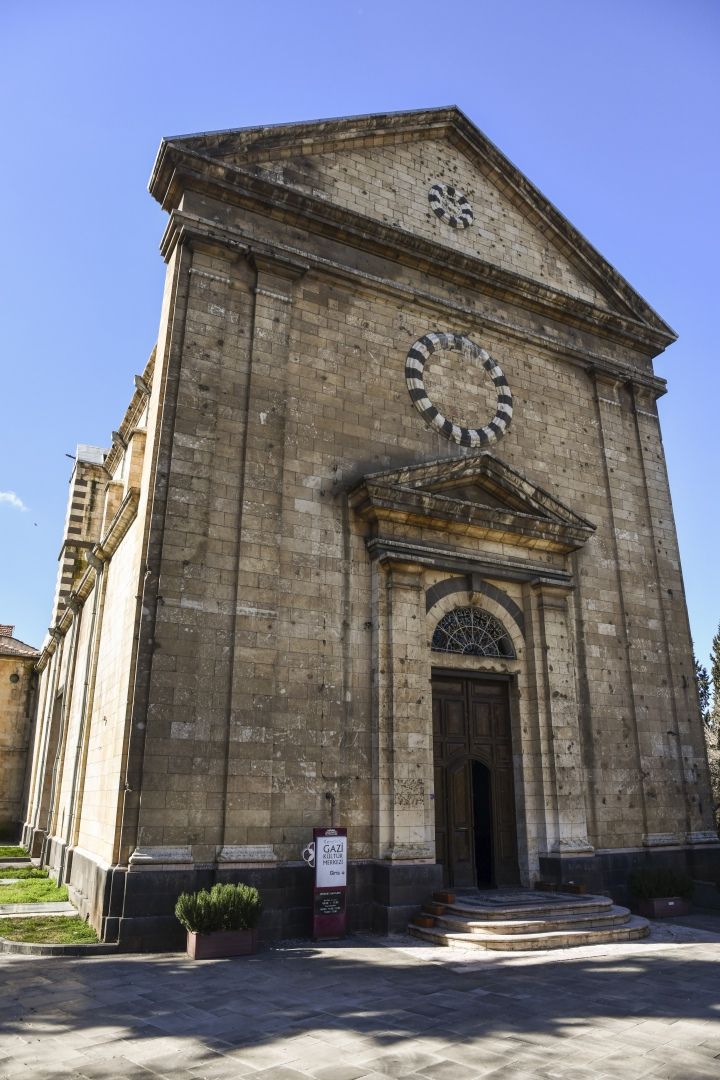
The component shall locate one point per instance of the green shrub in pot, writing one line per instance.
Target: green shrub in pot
(653, 883)
(223, 907)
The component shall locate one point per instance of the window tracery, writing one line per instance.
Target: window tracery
(471, 632)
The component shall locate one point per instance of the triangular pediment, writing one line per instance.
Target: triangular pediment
(478, 496)
(392, 183)
(381, 167)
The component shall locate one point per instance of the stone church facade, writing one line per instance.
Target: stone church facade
(383, 540)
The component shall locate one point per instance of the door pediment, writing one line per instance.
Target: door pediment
(478, 496)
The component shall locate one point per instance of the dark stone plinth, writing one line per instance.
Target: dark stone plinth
(136, 906)
(148, 922)
(608, 871)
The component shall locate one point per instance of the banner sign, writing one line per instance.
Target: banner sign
(330, 860)
(330, 851)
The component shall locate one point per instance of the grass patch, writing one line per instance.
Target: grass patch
(32, 891)
(22, 872)
(13, 852)
(49, 930)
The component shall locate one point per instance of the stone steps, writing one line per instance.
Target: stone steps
(565, 905)
(518, 919)
(586, 920)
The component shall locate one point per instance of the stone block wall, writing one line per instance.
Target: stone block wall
(257, 624)
(17, 705)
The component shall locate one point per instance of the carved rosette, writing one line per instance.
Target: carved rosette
(451, 206)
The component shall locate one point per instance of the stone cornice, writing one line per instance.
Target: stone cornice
(282, 141)
(422, 496)
(184, 228)
(277, 265)
(100, 553)
(132, 414)
(385, 549)
(119, 525)
(406, 506)
(510, 486)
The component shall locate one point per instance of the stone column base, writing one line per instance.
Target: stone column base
(33, 840)
(572, 846)
(704, 836)
(661, 839)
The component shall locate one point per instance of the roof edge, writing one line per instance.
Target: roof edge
(344, 128)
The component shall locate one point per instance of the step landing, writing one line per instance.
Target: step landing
(523, 919)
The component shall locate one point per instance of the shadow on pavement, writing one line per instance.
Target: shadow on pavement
(356, 988)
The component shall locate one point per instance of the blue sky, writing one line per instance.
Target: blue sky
(609, 106)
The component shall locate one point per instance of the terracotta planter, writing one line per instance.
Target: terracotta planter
(425, 921)
(434, 909)
(662, 907)
(220, 944)
(444, 897)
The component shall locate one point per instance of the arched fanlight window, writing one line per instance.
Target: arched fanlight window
(472, 632)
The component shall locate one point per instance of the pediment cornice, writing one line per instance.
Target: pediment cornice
(195, 163)
(425, 496)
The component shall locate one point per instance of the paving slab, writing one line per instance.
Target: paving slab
(62, 907)
(371, 1008)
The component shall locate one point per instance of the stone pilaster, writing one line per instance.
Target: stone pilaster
(403, 762)
(562, 764)
(689, 741)
(258, 705)
(176, 771)
(659, 780)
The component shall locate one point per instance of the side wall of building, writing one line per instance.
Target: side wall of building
(77, 783)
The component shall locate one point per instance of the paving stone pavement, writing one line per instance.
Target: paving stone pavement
(371, 1009)
(52, 907)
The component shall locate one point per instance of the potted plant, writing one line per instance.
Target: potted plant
(423, 920)
(659, 893)
(220, 921)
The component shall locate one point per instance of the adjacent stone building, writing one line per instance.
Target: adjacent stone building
(17, 705)
(385, 532)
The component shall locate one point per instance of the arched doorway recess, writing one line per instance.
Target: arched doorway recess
(475, 820)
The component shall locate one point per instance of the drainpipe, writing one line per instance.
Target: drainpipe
(81, 749)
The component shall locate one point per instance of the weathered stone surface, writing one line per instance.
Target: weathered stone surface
(268, 546)
(18, 684)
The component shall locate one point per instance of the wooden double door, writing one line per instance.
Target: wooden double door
(475, 826)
